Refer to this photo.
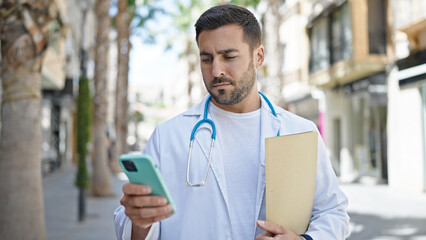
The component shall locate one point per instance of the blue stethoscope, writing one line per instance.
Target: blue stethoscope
(208, 121)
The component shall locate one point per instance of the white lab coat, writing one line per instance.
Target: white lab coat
(203, 212)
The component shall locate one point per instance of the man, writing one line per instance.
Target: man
(230, 204)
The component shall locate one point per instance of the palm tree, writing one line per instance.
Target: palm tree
(184, 20)
(101, 175)
(24, 39)
(127, 12)
(123, 20)
(272, 83)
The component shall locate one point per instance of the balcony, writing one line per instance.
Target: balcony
(347, 71)
(348, 44)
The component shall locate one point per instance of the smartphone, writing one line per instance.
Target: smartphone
(141, 169)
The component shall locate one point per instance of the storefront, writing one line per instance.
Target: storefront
(356, 128)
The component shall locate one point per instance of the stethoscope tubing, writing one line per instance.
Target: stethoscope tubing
(213, 137)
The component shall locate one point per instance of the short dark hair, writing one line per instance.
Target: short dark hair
(225, 14)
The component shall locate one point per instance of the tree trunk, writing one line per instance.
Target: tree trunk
(272, 84)
(21, 198)
(101, 174)
(123, 48)
(191, 68)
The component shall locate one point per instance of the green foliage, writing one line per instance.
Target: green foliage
(138, 116)
(245, 3)
(140, 13)
(84, 113)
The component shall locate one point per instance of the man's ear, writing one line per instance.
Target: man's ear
(259, 56)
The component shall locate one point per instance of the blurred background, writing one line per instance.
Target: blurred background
(84, 81)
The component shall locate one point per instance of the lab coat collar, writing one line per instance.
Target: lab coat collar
(197, 109)
(270, 126)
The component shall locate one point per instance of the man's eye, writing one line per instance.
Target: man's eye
(206, 60)
(230, 57)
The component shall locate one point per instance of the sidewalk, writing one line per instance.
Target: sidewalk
(377, 212)
(380, 213)
(61, 208)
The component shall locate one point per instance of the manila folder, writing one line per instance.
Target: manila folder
(291, 165)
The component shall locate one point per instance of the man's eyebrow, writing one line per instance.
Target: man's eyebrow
(224, 51)
(204, 53)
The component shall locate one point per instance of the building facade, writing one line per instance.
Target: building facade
(407, 98)
(348, 60)
(358, 71)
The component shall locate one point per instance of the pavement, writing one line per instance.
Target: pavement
(380, 213)
(61, 208)
(377, 212)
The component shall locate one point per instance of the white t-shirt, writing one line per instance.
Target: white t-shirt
(239, 137)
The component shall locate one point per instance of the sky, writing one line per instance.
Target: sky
(151, 64)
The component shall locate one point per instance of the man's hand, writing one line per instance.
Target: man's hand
(143, 209)
(279, 232)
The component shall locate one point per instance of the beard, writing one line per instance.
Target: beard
(242, 87)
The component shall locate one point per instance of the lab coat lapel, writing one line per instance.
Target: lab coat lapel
(216, 166)
(269, 127)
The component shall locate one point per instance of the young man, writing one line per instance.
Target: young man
(230, 203)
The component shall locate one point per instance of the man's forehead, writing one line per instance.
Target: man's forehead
(222, 39)
(230, 30)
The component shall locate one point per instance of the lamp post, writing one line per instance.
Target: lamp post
(85, 5)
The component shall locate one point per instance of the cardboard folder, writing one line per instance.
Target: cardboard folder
(291, 165)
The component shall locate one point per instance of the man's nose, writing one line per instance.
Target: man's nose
(217, 68)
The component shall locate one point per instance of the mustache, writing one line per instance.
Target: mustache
(217, 80)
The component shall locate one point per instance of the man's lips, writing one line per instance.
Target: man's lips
(222, 84)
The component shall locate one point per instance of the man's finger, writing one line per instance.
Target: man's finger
(146, 222)
(148, 212)
(136, 189)
(271, 227)
(135, 201)
(147, 201)
(156, 211)
(262, 236)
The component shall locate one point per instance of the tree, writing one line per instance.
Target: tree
(127, 13)
(26, 27)
(272, 83)
(184, 20)
(101, 175)
(123, 20)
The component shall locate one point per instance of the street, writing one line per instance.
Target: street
(377, 212)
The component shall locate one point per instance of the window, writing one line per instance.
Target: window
(331, 39)
(319, 41)
(341, 34)
(377, 26)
